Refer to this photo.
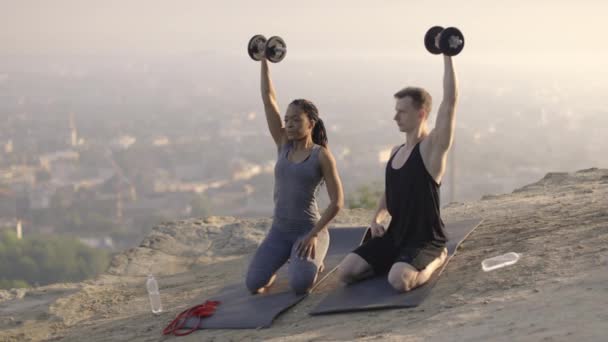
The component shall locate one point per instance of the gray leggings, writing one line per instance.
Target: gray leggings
(279, 245)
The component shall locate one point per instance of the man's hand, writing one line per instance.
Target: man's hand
(377, 229)
(307, 247)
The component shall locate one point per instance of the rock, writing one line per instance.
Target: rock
(18, 293)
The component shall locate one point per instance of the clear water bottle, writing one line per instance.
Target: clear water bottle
(154, 295)
(499, 261)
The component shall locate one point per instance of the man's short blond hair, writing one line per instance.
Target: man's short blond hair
(421, 99)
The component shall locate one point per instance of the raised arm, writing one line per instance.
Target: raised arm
(443, 134)
(271, 107)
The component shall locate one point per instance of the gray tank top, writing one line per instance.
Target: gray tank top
(296, 186)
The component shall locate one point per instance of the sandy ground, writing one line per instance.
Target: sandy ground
(558, 291)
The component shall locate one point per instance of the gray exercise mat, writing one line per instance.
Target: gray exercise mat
(376, 293)
(241, 310)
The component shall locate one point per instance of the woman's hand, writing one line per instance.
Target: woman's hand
(307, 246)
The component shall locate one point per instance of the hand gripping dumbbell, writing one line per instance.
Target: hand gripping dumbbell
(274, 48)
(449, 41)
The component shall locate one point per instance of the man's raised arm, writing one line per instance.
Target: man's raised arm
(443, 134)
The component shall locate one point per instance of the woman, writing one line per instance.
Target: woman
(298, 232)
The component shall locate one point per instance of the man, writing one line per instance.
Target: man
(414, 245)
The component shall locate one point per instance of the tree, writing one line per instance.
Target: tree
(201, 206)
(365, 196)
(42, 259)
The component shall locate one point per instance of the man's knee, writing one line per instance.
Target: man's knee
(401, 279)
(346, 275)
(352, 268)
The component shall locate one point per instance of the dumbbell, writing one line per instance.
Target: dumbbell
(449, 41)
(274, 49)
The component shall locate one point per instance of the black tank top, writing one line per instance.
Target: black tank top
(412, 200)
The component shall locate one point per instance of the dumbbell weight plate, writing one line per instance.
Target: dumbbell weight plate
(256, 47)
(275, 49)
(451, 41)
(429, 39)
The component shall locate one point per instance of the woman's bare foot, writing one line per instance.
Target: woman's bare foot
(268, 285)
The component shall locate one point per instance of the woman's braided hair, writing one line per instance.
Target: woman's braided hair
(319, 134)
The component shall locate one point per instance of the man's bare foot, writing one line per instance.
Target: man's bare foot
(443, 256)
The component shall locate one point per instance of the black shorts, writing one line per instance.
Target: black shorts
(381, 253)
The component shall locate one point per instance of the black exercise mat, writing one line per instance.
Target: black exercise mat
(376, 293)
(239, 309)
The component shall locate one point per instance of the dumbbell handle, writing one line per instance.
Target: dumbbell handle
(454, 39)
(262, 46)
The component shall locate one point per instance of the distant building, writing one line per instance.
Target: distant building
(384, 155)
(47, 160)
(123, 142)
(104, 242)
(161, 141)
(8, 147)
(73, 131)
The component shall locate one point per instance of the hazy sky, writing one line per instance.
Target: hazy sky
(553, 29)
(563, 38)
